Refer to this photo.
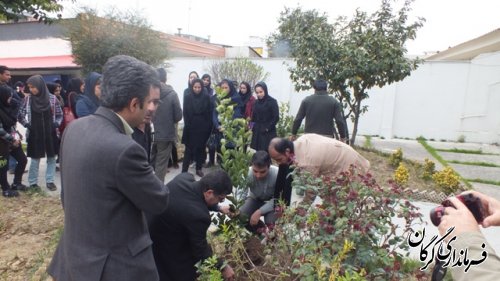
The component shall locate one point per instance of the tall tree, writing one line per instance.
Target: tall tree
(352, 55)
(94, 39)
(39, 9)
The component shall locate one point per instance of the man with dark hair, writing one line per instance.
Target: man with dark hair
(319, 110)
(318, 155)
(179, 233)
(261, 180)
(105, 233)
(168, 114)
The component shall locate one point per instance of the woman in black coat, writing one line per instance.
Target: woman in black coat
(197, 125)
(9, 142)
(265, 116)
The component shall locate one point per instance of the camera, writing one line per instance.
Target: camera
(473, 204)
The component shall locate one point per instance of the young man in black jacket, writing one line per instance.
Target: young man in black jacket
(179, 233)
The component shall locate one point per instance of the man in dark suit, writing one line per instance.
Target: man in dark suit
(179, 233)
(105, 232)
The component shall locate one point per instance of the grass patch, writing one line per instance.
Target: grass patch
(466, 151)
(368, 142)
(485, 181)
(432, 151)
(45, 253)
(483, 164)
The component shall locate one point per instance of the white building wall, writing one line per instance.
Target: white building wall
(440, 100)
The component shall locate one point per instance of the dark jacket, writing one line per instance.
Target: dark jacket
(179, 233)
(88, 102)
(168, 113)
(145, 139)
(197, 120)
(107, 183)
(265, 117)
(319, 110)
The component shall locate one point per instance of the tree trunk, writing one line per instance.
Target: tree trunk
(356, 120)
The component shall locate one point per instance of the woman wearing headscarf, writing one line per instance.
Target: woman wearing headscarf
(55, 89)
(75, 90)
(197, 110)
(247, 98)
(41, 114)
(10, 143)
(265, 116)
(191, 77)
(89, 102)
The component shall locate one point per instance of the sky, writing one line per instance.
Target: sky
(231, 22)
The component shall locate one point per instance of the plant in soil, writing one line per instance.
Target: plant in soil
(234, 145)
(308, 240)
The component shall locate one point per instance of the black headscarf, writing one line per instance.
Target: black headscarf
(198, 77)
(90, 83)
(263, 86)
(198, 102)
(41, 101)
(232, 89)
(209, 89)
(245, 97)
(75, 85)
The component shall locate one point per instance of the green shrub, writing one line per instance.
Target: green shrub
(396, 157)
(234, 145)
(429, 169)
(447, 180)
(284, 125)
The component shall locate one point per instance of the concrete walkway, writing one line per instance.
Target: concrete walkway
(413, 150)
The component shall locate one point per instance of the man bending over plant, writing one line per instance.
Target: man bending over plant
(261, 180)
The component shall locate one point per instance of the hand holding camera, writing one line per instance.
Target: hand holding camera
(465, 212)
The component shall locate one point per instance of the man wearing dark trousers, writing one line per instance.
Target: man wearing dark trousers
(179, 233)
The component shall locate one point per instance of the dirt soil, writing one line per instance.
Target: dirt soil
(30, 225)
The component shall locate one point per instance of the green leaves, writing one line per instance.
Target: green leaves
(94, 39)
(39, 9)
(352, 55)
(239, 69)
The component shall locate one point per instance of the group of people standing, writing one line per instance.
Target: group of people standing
(38, 106)
(201, 117)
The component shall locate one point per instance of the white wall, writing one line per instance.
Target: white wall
(440, 100)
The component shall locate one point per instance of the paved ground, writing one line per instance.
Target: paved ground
(415, 151)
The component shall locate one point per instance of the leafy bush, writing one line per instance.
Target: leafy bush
(429, 169)
(239, 69)
(208, 270)
(308, 240)
(396, 157)
(284, 126)
(447, 180)
(236, 137)
(95, 39)
(401, 175)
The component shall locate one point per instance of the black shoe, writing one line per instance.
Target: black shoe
(199, 173)
(51, 186)
(10, 193)
(34, 186)
(19, 186)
